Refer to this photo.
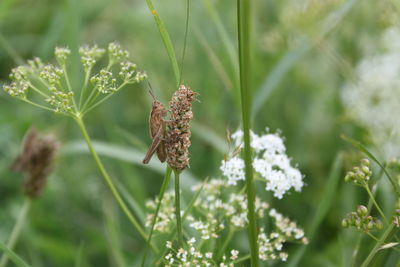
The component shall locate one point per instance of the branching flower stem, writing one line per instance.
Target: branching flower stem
(109, 182)
(387, 235)
(17, 229)
(375, 203)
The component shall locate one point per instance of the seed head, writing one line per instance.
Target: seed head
(35, 161)
(178, 132)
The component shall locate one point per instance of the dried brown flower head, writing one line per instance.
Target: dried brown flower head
(35, 161)
(178, 130)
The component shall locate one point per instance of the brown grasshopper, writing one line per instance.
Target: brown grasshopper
(157, 127)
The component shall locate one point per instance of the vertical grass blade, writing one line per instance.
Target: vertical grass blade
(164, 187)
(243, 15)
(166, 40)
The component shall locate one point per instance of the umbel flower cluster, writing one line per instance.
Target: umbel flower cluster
(48, 86)
(372, 97)
(35, 160)
(194, 257)
(270, 162)
(218, 212)
(361, 220)
(360, 175)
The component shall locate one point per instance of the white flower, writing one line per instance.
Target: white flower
(372, 98)
(233, 169)
(270, 162)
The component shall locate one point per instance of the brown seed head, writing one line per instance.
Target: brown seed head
(178, 130)
(35, 161)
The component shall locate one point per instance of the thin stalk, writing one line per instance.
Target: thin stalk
(103, 99)
(243, 15)
(166, 40)
(226, 242)
(69, 87)
(372, 236)
(37, 105)
(375, 203)
(109, 182)
(390, 232)
(85, 85)
(16, 230)
(164, 186)
(242, 259)
(178, 209)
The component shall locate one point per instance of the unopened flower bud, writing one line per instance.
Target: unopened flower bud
(362, 210)
(365, 162)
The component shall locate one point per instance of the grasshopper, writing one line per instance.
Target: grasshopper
(157, 128)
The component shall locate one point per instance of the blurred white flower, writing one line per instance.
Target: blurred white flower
(373, 98)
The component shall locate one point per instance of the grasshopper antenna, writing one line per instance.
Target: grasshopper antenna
(151, 91)
(185, 40)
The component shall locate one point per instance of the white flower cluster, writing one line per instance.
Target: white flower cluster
(219, 208)
(270, 162)
(89, 56)
(373, 97)
(19, 84)
(192, 256)
(166, 215)
(104, 82)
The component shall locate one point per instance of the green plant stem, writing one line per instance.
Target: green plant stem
(109, 182)
(390, 232)
(242, 259)
(375, 203)
(226, 242)
(85, 85)
(243, 15)
(164, 186)
(69, 87)
(178, 209)
(16, 230)
(166, 40)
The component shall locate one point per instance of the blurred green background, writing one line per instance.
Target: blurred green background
(304, 51)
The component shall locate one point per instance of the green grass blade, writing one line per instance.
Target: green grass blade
(125, 154)
(325, 204)
(208, 135)
(244, 29)
(13, 256)
(164, 187)
(166, 40)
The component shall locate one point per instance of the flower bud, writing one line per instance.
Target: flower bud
(362, 210)
(378, 224)
(365, 162)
